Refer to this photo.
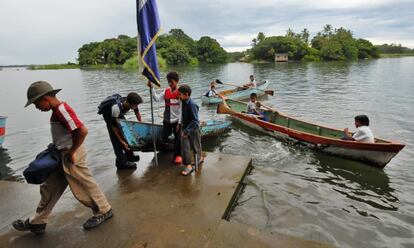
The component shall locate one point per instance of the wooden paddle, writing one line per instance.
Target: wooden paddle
(268, 92)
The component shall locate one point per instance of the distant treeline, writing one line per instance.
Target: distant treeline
(173, 48)
(393, 48)
(176, 48)
(329, 44)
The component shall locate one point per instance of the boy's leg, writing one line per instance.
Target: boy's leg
(177, 140)
(82, 184)
(121, 158)
(185, 150)
(195, 142)
(166, 131)
(85, 189)
(50, 190)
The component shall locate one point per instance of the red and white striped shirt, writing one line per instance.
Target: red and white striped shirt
(63, 122)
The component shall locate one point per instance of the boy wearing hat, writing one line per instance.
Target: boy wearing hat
(68, 134)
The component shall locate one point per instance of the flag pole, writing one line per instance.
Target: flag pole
(148, 25)
(152, 128)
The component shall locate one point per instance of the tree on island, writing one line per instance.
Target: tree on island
(329, 44)
(174, 48)
(393, 48)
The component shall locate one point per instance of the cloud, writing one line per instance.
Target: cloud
(50, 31)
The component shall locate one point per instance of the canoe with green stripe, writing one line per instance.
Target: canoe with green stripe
(238, 93)
(320, 137)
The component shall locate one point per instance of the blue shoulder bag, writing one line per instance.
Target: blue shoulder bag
(46, 162)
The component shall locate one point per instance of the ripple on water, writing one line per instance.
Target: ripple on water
(292, 189)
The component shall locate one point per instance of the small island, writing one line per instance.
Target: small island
(177, 48)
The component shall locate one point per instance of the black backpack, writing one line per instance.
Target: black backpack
(105, 106)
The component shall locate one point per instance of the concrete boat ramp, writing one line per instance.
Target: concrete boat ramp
(153, 207)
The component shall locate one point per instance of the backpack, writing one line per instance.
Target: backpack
(105, 106)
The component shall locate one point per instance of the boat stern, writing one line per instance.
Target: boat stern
(2, 129)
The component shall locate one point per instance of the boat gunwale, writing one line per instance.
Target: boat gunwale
(389, 146)
(216, 122)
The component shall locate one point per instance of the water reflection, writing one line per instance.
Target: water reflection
(6, 173)
(357, 181)
(352, 179)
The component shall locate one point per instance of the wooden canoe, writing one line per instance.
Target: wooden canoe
(2, 129)
(323, 138)
(139, 134)
(238, 93)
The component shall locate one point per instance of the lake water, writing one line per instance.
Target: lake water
(292, 190)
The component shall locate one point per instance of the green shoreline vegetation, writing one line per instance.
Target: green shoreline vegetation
(177, 48)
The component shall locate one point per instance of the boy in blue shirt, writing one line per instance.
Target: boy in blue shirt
(190, 130)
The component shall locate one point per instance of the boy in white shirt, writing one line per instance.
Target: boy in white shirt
(364, 133)
(251, 84)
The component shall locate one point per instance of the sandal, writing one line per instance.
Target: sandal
(187, 171)
(201, 160)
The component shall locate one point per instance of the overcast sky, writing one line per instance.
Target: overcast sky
(51, 31)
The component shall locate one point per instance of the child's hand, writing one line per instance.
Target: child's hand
(125, 145)
(184, 135)
(71, 157)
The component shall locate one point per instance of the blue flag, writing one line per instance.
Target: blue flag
(148, 31)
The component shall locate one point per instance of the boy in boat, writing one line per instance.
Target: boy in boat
(190, 130)
(253, 107)
(364, 133)
(251, 84)
(113, 109)
(212, 91)
(68, 134)
(172, 112)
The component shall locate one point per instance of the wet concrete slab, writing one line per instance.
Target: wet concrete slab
(153, 207)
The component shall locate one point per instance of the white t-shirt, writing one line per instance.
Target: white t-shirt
(174, 111)
(212, 93)
(364, 134)
(251, 107)
(116, 112)
(253, 84)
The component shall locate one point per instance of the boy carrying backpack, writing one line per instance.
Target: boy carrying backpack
(114, 108)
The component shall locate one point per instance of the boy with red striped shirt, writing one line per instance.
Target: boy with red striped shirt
(68, 134)
(172, 112)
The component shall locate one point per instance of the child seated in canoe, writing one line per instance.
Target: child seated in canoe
(253, 107)
(251, 84)
(363, 134)
(212, 91)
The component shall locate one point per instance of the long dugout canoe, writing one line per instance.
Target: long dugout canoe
(323, 138)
